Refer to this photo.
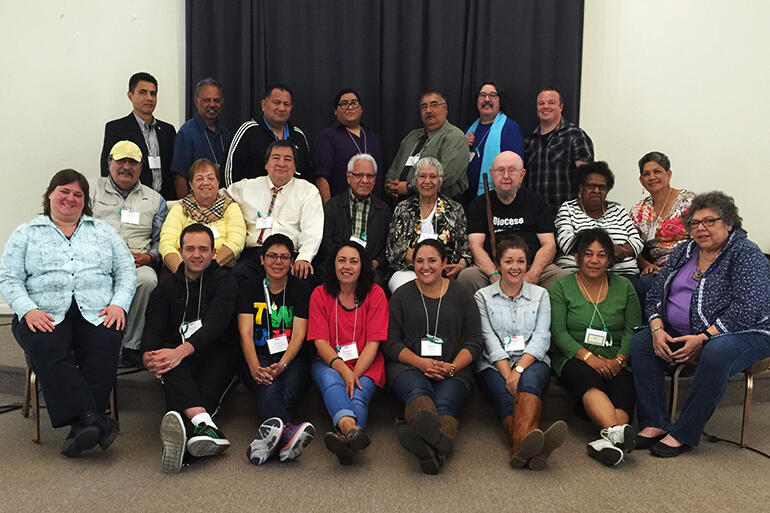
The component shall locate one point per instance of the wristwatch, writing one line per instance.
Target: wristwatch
(519, 369)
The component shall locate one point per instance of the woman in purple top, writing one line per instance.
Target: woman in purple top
(710, 304)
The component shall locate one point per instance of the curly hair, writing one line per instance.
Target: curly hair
(720, 203)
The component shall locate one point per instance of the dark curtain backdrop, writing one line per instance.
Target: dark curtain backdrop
(390, 51)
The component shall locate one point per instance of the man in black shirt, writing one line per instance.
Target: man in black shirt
(513, 211)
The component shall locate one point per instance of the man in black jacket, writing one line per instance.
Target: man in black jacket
(188, 347)
(248, 151)
(358, 215)
(154, 137)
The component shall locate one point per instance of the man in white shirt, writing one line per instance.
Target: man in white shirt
(279, 203)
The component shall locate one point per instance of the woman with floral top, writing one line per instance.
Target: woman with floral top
(658, 217)
(426, 216)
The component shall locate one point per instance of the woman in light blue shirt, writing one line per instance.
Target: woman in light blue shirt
(70, 280)
(514, 371)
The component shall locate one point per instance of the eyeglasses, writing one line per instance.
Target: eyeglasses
(345, 104)
(272, 257)
(362, 176)
(432, 105)
(707, 222)
(506, 171)
(601, 187)
(491, 96)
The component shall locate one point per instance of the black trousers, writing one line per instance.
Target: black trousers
(71, 389)
(201, 380)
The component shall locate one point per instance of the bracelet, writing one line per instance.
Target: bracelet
(588, 355)
(465, 265)
(621, 361)
(656, 328)
(331, 362)
(452, 371)
(706, 332)
(284, 364)
(496, 273)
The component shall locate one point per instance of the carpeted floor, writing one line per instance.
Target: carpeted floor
(477, 478)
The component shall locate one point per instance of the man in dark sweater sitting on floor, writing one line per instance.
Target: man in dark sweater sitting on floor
(187, 347)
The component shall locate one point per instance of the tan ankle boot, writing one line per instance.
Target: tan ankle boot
(527, 438)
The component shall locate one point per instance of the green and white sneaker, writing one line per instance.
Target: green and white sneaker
(206, 441)
(173, 439)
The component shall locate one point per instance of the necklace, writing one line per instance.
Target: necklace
(698, 274)
(662, 208)
(591, 298)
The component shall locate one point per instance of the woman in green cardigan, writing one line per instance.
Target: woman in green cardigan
(593, 316)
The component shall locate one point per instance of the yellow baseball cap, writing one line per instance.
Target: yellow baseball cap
(126, 150)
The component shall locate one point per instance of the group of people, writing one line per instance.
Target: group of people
(296, 271)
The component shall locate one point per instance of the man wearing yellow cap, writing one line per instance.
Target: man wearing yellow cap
(136, 212)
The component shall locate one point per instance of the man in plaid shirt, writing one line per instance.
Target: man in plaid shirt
(553, 151)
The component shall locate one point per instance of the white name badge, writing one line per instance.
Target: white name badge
(129, 216)
(278, 344)
(597, 338)
(264, 223)
(188, 329)
(154, 162)
(360, 241)
(348, 352)
(411, 161)
(426, 236)
(431, 346)
(513, 344)
(215, 232)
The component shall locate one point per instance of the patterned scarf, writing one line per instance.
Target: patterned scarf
(206, 215)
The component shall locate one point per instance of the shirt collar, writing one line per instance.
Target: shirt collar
(354, 198)
(198, 120)
(270, 129)
(526, 290)
(143, 123)
(117, 189)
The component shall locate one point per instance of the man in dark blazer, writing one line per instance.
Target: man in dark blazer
(344, 217)
(154, 137)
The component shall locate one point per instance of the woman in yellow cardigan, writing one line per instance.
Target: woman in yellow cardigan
(204, 204)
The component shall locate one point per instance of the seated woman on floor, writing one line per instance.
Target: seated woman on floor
(710, 305)
(272, 323)
(70, 279)
(514, 370)
(593, 316)
(348, 322)
(204, 204)
(433, 338)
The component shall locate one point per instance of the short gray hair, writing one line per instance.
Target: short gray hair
(429, 162)
(361, 156)
(655, 156)
(720, 203)
(208, 81)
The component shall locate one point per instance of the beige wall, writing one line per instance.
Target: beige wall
(688, 78)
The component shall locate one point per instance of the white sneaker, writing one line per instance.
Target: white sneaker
(622, 436)
(173, 438)
(296, 440)
(605, 451)
(266, 441)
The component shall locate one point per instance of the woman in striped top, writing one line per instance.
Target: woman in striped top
(592, 210)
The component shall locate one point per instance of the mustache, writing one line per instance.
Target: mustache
(487, 104)
(125, 171)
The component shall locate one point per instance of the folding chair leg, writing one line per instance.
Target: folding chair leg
(675, 391)
(747, 408)
(114, 403)
(27, 394)
(35, 408)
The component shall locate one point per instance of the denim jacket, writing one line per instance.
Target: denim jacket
(528, 315)
(43, 269)
(733, 294)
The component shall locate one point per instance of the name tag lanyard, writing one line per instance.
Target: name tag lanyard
(221, 143)
(186, 325)
(594, 303)
(435, 339)
(363, 133)
(336, 323)
(272, 306)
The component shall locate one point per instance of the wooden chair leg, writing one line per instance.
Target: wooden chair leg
(35, 408)
(747, 398)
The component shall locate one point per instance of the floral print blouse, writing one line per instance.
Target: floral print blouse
(449, 223)
(662, 235)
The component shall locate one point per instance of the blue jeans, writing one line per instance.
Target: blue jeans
(276, 399)
(720, 359)
(447, 394)
(534, 380)
(338, 403)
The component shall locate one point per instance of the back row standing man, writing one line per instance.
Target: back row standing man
(553, 151)
(202, 136)
(155, 138)
(246, 158)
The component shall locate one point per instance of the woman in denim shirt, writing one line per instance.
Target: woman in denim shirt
(70, 280)
(514, 372)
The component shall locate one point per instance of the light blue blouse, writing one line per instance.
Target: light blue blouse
(43, 269)
(527, 315)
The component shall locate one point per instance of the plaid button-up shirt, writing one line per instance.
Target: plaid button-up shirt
(550, 162)
(359, 212)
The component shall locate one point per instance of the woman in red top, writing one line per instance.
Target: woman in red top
(348, 320)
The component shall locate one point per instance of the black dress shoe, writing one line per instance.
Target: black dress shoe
(645, 442)
(81, 438)
(662, 450)
(107, 426)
